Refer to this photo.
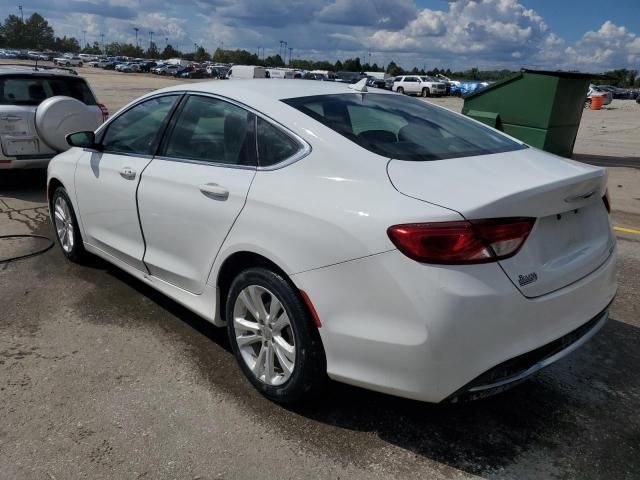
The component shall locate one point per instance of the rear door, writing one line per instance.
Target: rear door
(106, 181)
(192, 192)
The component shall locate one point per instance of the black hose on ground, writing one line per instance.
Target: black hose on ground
(27, 255)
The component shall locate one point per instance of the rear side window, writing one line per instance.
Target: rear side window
(274, 146)
(135, 130)
(403, 128)
(212, 130)
(32, 89)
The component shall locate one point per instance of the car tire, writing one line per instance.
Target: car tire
(80, 64)
(426, 92)
(279, 352)
(66, 226)
(587, 103)
(400, 90)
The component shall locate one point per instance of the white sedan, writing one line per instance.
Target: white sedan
(360, 236)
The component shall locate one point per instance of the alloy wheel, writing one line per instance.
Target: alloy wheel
(264, 335)
(64, 224)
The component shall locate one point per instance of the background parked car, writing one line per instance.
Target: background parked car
(147, 66)
(417, 85)
(38, 108)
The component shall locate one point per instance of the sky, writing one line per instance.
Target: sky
(585, 35)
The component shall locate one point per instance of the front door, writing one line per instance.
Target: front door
(192, 192)
(106, 181)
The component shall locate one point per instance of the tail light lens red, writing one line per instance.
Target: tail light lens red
(105, 112)
(462, 242)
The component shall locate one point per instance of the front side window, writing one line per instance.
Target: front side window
(212, 130)
(403, 128)
(274, 146)
(135, 131)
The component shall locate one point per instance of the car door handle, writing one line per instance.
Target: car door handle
(215, 191)
(128, 173)
(11, 118)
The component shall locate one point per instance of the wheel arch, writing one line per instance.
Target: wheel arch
(233, 265)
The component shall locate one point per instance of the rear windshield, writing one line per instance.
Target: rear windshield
(32, 89)
(403, 128)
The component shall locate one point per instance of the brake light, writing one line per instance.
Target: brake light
(607, 200)
(461, 242)
(105, 112)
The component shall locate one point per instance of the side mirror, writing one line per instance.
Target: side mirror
(82, 140)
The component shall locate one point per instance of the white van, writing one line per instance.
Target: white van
(281, 73)
(178, 61)
(247, 71)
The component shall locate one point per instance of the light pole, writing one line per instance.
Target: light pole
(290, 51)
(84, 38)
(136, 29)
(150, 39)
(102, 42)
(21, 13)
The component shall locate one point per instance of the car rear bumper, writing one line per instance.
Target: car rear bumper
(426, 332)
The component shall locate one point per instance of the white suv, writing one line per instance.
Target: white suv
(417, 85)
(38, 107)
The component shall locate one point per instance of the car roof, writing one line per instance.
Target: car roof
(261, 90)
(31, 70)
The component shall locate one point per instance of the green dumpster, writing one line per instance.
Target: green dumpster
(541, 108)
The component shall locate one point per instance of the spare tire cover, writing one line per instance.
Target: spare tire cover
(56, 117)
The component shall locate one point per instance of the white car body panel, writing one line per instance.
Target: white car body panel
(388, 323)
(107, 203)
(184, 228)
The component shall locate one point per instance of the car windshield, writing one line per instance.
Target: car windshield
(403, 128)
(33, 89)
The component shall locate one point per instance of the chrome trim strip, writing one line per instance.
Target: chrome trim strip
(547, 361)
(205, 162)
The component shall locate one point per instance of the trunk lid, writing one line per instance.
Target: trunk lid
(18, 136)
(572, 235)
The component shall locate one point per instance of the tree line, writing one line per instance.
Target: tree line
(35, 33)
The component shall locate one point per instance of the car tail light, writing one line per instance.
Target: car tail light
(461, 242)
(105, 112)
(607, 200)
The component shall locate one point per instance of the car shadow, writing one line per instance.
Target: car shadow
(607, 161)
(26, 185)
(576, 419)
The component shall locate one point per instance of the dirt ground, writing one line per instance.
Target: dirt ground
(103, 378)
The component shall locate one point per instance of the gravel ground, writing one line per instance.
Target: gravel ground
(101, 377)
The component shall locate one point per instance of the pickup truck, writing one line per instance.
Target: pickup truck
(68, 61)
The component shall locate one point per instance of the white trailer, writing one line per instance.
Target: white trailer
(247, 71)
(377, 75)
(281, 73)
(178, 61)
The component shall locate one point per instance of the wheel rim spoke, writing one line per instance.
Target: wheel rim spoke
(248, 304)
(285, 363)
(287, 350)
(255, 293)
(248, 339)
(281, 322)
(264, 335)
(244, 325)
(259, 365)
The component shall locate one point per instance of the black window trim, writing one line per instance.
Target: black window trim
(304, 150)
